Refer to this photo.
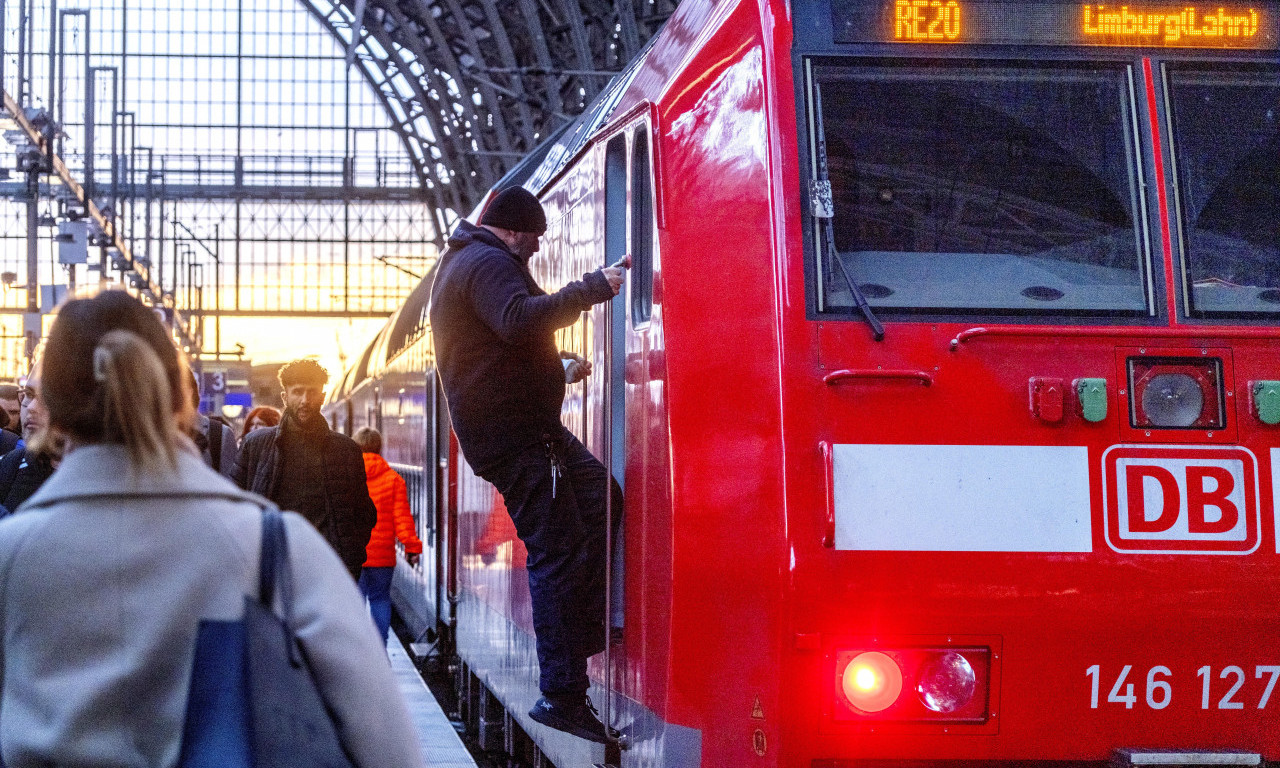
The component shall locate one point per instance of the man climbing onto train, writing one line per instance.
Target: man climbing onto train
(305, 467)
(504, 380)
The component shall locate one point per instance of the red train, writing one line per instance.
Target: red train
(945, 391)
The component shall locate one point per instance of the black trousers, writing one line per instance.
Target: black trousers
(555, 493)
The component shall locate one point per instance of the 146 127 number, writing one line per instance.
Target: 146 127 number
(1227, 689)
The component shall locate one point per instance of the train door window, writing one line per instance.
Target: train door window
(980, 188)
(641, 229)
(1225, 124)
(615, 199)
(615, 191)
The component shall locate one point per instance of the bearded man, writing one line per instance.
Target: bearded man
(304, 466)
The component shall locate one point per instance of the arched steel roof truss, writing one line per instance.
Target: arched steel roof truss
(471, 86)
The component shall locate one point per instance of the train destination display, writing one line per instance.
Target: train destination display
(1155, 24)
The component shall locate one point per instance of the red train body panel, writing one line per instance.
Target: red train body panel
(998, 499)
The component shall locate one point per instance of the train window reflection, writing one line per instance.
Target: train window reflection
(987, 188)
(1226, 135)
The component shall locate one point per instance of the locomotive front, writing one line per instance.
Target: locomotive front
(1034, 434)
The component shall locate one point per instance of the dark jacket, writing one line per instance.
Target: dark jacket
(21, 474)
(8, 441)
(494, 335)
(351, 511)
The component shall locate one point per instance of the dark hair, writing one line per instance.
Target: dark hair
(9, 391)
(195, 388)
(263, 413)
(369, 440)
(304, 371)
(111, 374)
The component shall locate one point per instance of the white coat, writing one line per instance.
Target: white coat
(104, 578)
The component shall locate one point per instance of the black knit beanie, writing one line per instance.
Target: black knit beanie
(516, 209)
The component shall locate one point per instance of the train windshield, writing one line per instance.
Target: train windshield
(1004, 189)
(1226, 135)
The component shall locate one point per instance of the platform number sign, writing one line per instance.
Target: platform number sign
(215, 382)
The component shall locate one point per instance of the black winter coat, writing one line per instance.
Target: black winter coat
(351, 511)
(21, 475)
(493, 330)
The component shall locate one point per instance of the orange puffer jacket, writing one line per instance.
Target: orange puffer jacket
(394, 521)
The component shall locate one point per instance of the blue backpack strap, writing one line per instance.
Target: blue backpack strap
(274, 575)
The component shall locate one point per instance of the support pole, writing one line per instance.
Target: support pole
(33, 262)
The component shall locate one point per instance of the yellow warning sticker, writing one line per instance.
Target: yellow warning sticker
(757, 711)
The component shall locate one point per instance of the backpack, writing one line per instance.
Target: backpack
(215, 442)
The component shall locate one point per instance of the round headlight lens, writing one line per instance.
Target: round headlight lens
(1172, 400)
(947, 683)
(872, 681)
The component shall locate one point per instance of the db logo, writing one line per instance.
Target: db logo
(1181, 500)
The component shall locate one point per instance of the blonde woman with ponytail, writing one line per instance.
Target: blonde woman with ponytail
(107, 571)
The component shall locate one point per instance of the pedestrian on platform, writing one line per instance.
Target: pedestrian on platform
(504, 380)
(8, 439)
(216, 440)
(25, 468)
(12, 408)
(97, 652)
(259, 418)
(11, 411)
(390, 496)
(304, 466)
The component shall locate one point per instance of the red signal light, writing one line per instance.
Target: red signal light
(872, 682)
(938, 684)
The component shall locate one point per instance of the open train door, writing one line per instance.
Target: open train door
(627, 344)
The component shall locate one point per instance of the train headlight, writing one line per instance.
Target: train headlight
(1172, 400)
(874, 685)
(946, 683)
(1176, 393)
(872, 682)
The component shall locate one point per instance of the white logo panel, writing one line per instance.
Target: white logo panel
(1166, 498)
(962, 498)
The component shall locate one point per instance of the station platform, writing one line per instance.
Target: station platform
(441, 747)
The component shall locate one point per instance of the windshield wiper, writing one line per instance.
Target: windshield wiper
(824, 208)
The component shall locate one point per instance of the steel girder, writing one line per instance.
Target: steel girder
(471, 86)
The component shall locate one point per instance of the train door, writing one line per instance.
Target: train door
(614, 405)
(628, 230)
(630, 333)
(437, 529)
(644, 337)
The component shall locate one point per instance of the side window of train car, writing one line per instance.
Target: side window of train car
(641, 229)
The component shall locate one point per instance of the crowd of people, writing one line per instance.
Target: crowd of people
(154, 514)
(130, 521)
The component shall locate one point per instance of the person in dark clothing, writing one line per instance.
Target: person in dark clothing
(8, 440)
(11, 416)
(213, 438)
(24, 469)
(305, 467)
(504, 380)
(22, 472)
(12, 408)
